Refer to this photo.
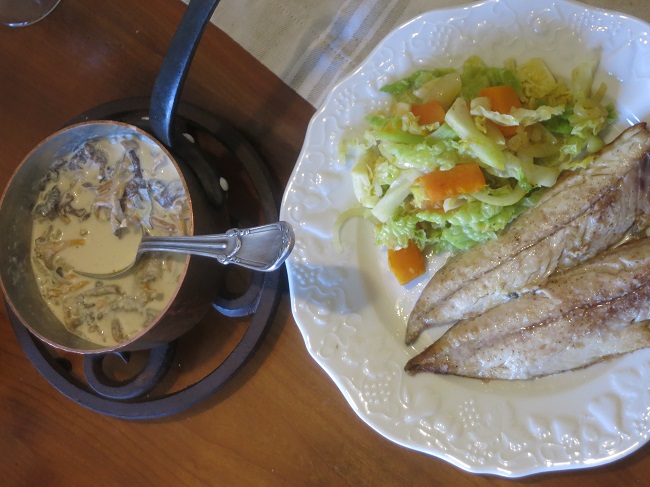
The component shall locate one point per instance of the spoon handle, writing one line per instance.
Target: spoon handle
(263, 248)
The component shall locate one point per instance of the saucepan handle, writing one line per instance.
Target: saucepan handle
(168, 87)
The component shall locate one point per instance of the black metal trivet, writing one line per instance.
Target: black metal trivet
(140, 395)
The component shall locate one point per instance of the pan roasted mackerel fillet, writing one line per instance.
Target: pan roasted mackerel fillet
(599, 309)
(586, 212)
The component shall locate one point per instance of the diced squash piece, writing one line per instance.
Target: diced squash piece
(461, 179)
(429, 112)
(407, 263)
(503, 99)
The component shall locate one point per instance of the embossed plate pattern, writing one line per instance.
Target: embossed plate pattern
(352, 314)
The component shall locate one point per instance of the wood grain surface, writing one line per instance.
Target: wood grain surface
(281, 420)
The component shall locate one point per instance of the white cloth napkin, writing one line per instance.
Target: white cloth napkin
(312, 44)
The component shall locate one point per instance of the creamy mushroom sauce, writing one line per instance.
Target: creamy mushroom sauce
(105, 187)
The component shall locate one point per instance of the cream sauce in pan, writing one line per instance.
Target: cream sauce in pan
(91, 197)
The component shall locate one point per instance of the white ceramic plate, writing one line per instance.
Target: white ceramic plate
(352, 313)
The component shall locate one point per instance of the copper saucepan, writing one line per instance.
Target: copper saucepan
(206, 192)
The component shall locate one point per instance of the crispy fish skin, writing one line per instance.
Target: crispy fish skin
(586, 212)
(594, 311)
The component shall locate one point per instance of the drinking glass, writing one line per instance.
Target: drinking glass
(19, 13)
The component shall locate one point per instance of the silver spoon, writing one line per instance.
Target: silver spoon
(262, 248)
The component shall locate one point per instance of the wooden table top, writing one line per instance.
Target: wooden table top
(281, 420)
